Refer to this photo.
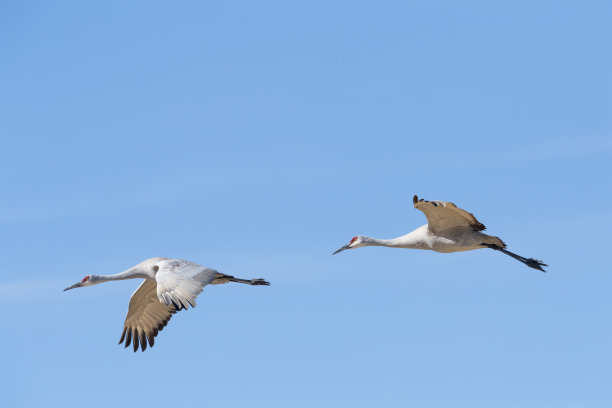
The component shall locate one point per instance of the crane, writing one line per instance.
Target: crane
(448, 229)
(169, 285)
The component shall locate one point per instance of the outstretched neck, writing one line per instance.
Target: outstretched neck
(132, 273)
(406, 241)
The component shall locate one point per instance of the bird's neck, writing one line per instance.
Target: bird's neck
(411, 240)
(132, 273)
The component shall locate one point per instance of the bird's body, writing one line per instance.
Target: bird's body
(169, 285)
(448, 229)
(424, 238)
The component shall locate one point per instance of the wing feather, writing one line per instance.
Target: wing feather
(444, 215)
(146, 316)
(180, 282)
(176, 285)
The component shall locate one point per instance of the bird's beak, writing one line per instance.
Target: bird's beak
(76, 285)
(342, 249)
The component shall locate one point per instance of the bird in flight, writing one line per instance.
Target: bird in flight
(169, 285)
(448, 229)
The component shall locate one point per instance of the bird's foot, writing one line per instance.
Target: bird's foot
(535, 264)
(256, 282)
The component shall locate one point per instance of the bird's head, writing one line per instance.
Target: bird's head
(86, 281)
(355, 242)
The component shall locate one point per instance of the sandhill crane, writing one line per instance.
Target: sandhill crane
(448, 229)
(170, 285)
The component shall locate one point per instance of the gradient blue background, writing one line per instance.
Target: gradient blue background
(257, 138)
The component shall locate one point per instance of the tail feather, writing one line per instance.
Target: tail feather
(495, 241)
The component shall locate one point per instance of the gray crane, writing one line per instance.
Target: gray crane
(170, 285)
(448, 229)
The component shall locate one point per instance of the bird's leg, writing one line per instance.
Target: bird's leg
(530, 262)
(253, 282)
(220, 279)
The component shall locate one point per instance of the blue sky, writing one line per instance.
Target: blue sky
(258, 137)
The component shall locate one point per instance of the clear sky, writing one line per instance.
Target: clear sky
(257, 137)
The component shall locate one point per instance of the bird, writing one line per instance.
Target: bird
(448, 229)
(169, 285)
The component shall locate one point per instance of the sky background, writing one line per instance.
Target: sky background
(258, 137)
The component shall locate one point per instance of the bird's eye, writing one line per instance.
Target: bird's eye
(353, 240)
(85, 279)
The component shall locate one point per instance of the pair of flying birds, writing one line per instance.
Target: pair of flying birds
(171, 285)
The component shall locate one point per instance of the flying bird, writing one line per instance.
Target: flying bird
(448, 229)
(169, 285)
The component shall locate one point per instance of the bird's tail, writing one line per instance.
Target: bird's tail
(490, 239)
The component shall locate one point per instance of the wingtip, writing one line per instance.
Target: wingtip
(415, 199)
(122, 335)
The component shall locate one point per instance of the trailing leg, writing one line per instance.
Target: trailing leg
(220, 279)
(530, 262)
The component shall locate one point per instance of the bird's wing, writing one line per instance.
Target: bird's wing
(146, 316)
(444, 215)
(179, 282)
